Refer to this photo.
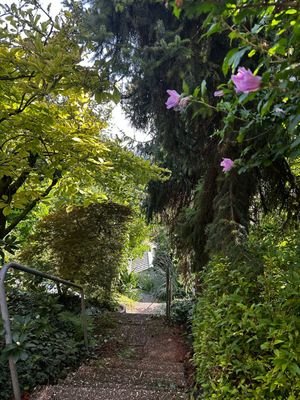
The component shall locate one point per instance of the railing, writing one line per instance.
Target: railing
(6, 321)
(164, 261)
(169, 292)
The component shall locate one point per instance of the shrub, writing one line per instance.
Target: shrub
(85, 245)
(246, 324)
(153, 281)
(182, 312)
(127, 284)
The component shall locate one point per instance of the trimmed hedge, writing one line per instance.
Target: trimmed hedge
(247, 324)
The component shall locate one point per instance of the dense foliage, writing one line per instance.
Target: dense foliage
(192, 53)
(85, 245)
(229, 133)
(48, 340)
(60, 168)
(52, 139)
(247, 321)
(216, 86)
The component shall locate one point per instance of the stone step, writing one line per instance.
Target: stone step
(142, 365)
(136, 319)
(141, 358)
(108, 375)
(67, 392)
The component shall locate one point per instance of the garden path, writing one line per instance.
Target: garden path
(138, 356)
(147, 304)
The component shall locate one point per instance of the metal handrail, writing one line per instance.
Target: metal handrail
(6, 321)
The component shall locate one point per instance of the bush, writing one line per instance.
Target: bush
(127, 284)
(246, 324)
(182, 312)
(153, 281)
(85, 245)
(47, 341)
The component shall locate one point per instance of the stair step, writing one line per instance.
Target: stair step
(143, 365)
(141, 358)
(136, 319)
(67, 392)
(106, 376)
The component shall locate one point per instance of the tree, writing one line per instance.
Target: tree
(260, 125)
(51, 127)
(186, 55)
(162, 49)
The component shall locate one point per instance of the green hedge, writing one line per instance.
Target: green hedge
(247, 323)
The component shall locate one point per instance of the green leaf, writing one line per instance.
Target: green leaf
(233, 58)
(203, 88)
(291, 11)
(196, 91)
(266, 106)
(279, 48)
(6, 211)
(240, 137)
(185, 87)
(177, 11)
(252, 53)
(214, 28)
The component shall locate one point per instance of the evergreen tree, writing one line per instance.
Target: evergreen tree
(144, 43)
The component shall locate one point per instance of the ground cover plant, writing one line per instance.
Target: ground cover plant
(47, 339)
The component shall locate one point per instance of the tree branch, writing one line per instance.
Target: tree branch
(13, 78)
(14, 186)
(30, 206)
(21, 107)
(279, 5)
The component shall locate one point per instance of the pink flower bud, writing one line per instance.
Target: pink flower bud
(183, 102)
(218, 93)
(245, 81)
(227, 164)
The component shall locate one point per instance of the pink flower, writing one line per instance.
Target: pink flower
(173, 100)
(227, 164)
(245, 81)
(218, 93)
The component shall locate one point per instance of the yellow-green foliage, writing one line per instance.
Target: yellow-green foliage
(247, 322)
(84, 245)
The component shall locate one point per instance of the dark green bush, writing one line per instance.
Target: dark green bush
(153, 281)
(247, 322)
(182, 312)
(47, 341)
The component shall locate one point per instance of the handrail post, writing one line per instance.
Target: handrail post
(84, 319)
(168, 293)
(8, 337)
